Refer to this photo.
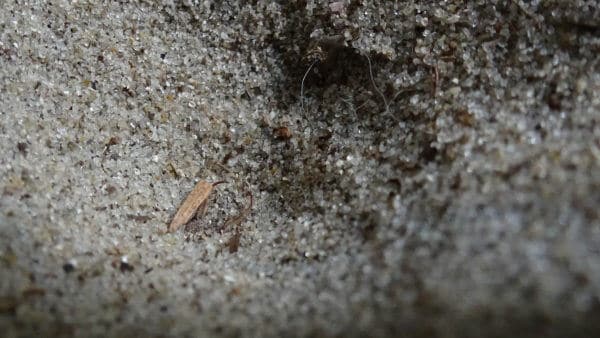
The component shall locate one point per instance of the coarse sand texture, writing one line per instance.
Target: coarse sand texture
(384, 168)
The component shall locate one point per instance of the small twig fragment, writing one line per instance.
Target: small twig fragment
(239, 218)
(435, 80)
(302, 84)
(188, 208)
(385, 103)
(234, 242)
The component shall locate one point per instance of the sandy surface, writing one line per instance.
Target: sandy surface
(439, 176)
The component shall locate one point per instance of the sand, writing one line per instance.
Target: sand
(439, 176)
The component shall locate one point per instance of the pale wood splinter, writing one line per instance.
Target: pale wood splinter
(194, 200)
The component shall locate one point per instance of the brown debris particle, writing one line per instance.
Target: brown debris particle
(237, 220)
(126, 267)
(139, 218)
(22, 147)
(110, 189)
(234, 242)
(33, 291)
(111, 142)
(188, 208)
(554, 102)
(465, 118)
(8, 304)
(282, 133)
